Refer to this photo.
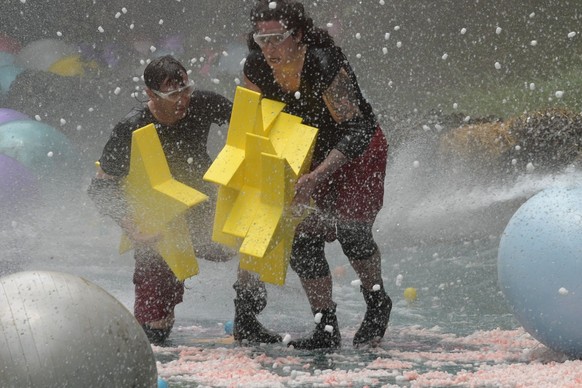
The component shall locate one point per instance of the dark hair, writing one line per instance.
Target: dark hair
(162, 68)
(293, 16)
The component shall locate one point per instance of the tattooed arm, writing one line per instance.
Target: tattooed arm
(341, 98)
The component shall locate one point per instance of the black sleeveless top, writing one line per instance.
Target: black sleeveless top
(320, 67)
(184, 143)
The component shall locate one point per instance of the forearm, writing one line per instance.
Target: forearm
(108, 197)
(307, 183)
(334, 160)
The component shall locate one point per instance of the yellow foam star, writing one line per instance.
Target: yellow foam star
(266, 151)
(158, 202)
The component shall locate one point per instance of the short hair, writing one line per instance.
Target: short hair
(162, 68)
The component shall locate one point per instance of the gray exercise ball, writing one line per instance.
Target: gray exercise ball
(60, 330)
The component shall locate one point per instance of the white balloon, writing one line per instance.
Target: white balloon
(62, 330)
(41, 54)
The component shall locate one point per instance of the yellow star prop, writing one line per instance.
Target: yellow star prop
(158, 202)
(266, 151)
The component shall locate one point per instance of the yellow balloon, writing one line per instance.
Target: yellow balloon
(410, 294)
(69, 66)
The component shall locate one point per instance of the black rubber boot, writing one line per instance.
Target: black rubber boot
(326, 334)
(249, 302)
(156, 336)
(376, 319)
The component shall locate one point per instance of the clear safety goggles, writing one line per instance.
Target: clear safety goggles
(175, 95)
(275, 39)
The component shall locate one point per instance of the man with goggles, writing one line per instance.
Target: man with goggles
(183, 118)
(175, 94)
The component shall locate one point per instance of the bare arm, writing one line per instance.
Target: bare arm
(307, 183)
(103, 190)
(341, 100)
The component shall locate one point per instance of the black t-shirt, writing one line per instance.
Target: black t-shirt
(320, 67)
(184, 143)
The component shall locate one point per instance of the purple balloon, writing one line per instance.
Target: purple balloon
(18, 185)
(174, 43)
(7, 115)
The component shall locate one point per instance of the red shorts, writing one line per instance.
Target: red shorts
(157, 290)
(356, 190)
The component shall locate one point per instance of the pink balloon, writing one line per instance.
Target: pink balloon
(9, 44)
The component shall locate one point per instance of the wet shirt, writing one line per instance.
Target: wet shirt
(321, 66)
(184, 143)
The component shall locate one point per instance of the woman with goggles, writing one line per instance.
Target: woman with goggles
(292, 61)
(273, 38)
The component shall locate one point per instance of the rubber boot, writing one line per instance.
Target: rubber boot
(376, 319)
(249, 302)
(326, 334)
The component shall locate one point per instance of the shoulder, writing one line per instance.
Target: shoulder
(205, 101)
(326, 62)
(135, 119)
(206, 97)
(327, 57)
(209, 106)
(116, 153)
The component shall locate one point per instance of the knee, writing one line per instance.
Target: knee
(308, 267)
(357, 241)
(308, 257)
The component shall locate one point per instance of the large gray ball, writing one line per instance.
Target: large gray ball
(60, 330)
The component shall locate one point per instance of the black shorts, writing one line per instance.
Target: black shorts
(308, 251)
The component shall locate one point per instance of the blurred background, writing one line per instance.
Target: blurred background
(480, 101)
(470, 93)
(473, 95)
